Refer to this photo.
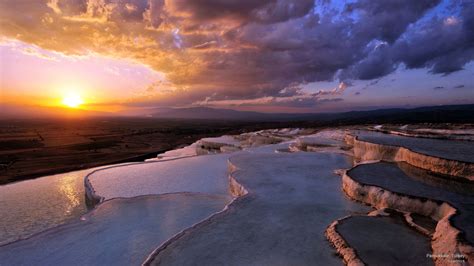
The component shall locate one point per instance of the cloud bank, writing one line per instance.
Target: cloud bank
(246, 52)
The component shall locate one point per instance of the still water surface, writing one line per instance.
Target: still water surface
(32, 206)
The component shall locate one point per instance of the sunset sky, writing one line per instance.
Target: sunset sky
(266, 55)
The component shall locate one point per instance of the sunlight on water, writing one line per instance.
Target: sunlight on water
(68, 189)
(32, 206)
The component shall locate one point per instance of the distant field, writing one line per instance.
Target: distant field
(37, 147)
(32, 148)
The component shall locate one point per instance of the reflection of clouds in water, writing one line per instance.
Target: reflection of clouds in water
(68, 189)
(32, 206)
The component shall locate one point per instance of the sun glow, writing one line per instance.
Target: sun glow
(72, 100)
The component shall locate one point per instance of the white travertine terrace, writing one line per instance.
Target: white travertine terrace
(117, 232)
(378, 238)
(185, 190)
(203, 174)
(370, 151)
(434, 133)
(324, 141)
(199, 167)
(348, 254)
(187, 151)
(216, 143)
(228, 143)
(267, 193)
(289, 199)
(32, 206)
(446, 239)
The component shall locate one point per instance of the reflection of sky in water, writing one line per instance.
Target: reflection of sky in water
(130, 228)
(67, 187)
(35, 205)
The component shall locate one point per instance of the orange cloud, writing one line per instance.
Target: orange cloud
(240, 50)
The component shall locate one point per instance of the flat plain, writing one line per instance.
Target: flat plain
(34, 148)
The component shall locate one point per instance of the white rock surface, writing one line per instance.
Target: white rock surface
(292, 198)
(188, 169)
(454, 158)
(31, 206)
(117, 232)
(449, 209)
(205, 174)
(186, 151)
(220, 141)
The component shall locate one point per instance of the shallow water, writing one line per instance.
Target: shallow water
(118, 232)
(205, 174)
(32, 206)
(398, 181)
(228, 140)
(388, 242)
(447, 149)
(292, 199)
(291, 191)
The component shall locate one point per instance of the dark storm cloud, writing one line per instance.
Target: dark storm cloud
(441, 44)
(267, 11)
(317, 46)
(377, 63)
(247, 50)
(444, 45)
(69, 7)
(454, 87)
(387, 20)
(371, 83)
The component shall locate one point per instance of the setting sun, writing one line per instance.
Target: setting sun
(72, 100)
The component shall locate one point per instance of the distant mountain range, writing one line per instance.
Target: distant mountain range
(448, 113)
(10, 111)
(435, 114)
(210, 113)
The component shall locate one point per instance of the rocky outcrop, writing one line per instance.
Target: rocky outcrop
(378, 238)
(435, 164)
(91, 197)
(348, 254)
(446, 240)
(367, 151)
(259, 140)
(215, 145)
(235, 188)
(409, 219)
(451, 134)
(382, 198)
(249, 231)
